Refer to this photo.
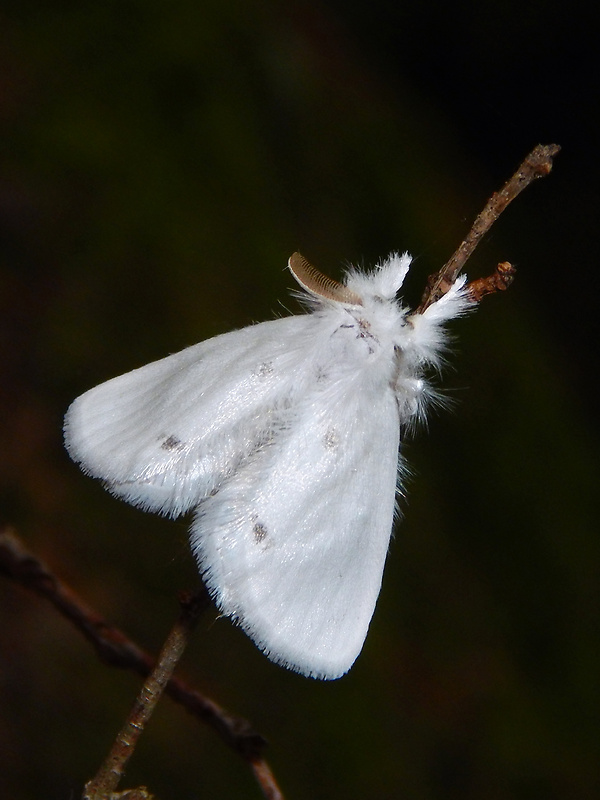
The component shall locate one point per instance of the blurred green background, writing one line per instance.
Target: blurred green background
(159, 163)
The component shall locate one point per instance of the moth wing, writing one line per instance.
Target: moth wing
(163, 436)
(293, 545)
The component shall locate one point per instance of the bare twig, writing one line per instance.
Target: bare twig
(116, 649)
(538, 164)
(500, 279)
(110, 773)
(266, 779)
(139, 793)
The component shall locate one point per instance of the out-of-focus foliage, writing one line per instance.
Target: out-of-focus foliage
(159, 163)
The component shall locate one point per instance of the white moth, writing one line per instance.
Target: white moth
(282, 438)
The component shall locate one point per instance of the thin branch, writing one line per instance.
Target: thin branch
(266, 779)
(500, 279)
(538, 164)
(110, 773)
(116, 649)
(139, 793)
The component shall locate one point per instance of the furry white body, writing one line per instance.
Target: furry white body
(283, 439)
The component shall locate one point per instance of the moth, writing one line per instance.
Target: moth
(282, 440)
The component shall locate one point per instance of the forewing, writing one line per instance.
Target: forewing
(293, 545)
(164, 436)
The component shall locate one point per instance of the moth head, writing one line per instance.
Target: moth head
(320, 285)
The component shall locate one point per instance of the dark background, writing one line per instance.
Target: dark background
(160, 162)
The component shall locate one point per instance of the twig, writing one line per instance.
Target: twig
(117, 650)
(538, 164)
(266, 779)
(111, 771)
(498, 281)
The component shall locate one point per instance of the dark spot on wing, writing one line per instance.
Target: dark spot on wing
(264, 370)
(172, 443)
(260, 532)
(331, 439)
